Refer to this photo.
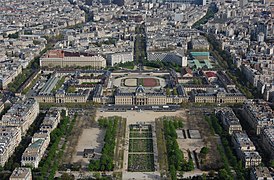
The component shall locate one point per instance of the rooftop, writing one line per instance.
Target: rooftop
(20, 172)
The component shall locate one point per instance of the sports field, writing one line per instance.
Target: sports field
(146, 82)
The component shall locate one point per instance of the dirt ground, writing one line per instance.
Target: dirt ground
(195, 120)
(91, 138)
(82, 122)
(144, 116)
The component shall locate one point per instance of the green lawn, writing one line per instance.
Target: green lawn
(140, 145)
(140, 134)
(141, 162)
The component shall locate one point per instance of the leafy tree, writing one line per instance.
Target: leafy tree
(175, 93)
(168, 93)
(271, 163)
(173, 172)
(67, 176)
(204, 150)
(223, 175)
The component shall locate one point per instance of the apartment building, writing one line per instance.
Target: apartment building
(251, 159)
(258, 114)
(51, 121)
(119, 57)
(267, 136)
(21, 173)
(2, 106)
(35, 151)
(229, 120)
(200, 44)
(10, 137)
(21, 114)
(245, 149)
(242, 142)
(8, 72)
(260, 173)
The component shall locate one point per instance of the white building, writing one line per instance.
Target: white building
(35, 151)
(10, 137)
(119, 57)
(21, 173)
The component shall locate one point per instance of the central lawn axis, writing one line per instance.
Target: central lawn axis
(140, 145)
(141, 162)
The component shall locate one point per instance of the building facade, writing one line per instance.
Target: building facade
(267, 136)
(258, 114)
(119, 57)
(21, 173)
(260, 173)
(140, 97)
(216, 97)
(62, 97)
(246, 150)
(229, 120)
(8, 73)
(34, 152)
(59, 58)
(21, 114)
(10, 137)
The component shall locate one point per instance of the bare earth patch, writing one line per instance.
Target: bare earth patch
(91, 138)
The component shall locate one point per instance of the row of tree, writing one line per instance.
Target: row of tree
(162, 65)
(226, 61)
(49, 164)
(212, 9)
(227, 155)
(105, 163)
(175, 156)
(140, 44)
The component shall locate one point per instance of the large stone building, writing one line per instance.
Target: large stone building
(260, 173)
(119, 57)
(229, 120)
(41, 139)
(51, 121)
(267, 136)
(62, 97)
(35, 151)
(60, 58)
(246, 150)
(8, 72)
(258, 114)
(21, 173)
(21, 114)
(140, 97)
(199, 44)
(10, 137)
(199, 96)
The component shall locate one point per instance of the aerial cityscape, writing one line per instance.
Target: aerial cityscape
(136, 89)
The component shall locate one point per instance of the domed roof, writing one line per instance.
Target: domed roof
(140, 89)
